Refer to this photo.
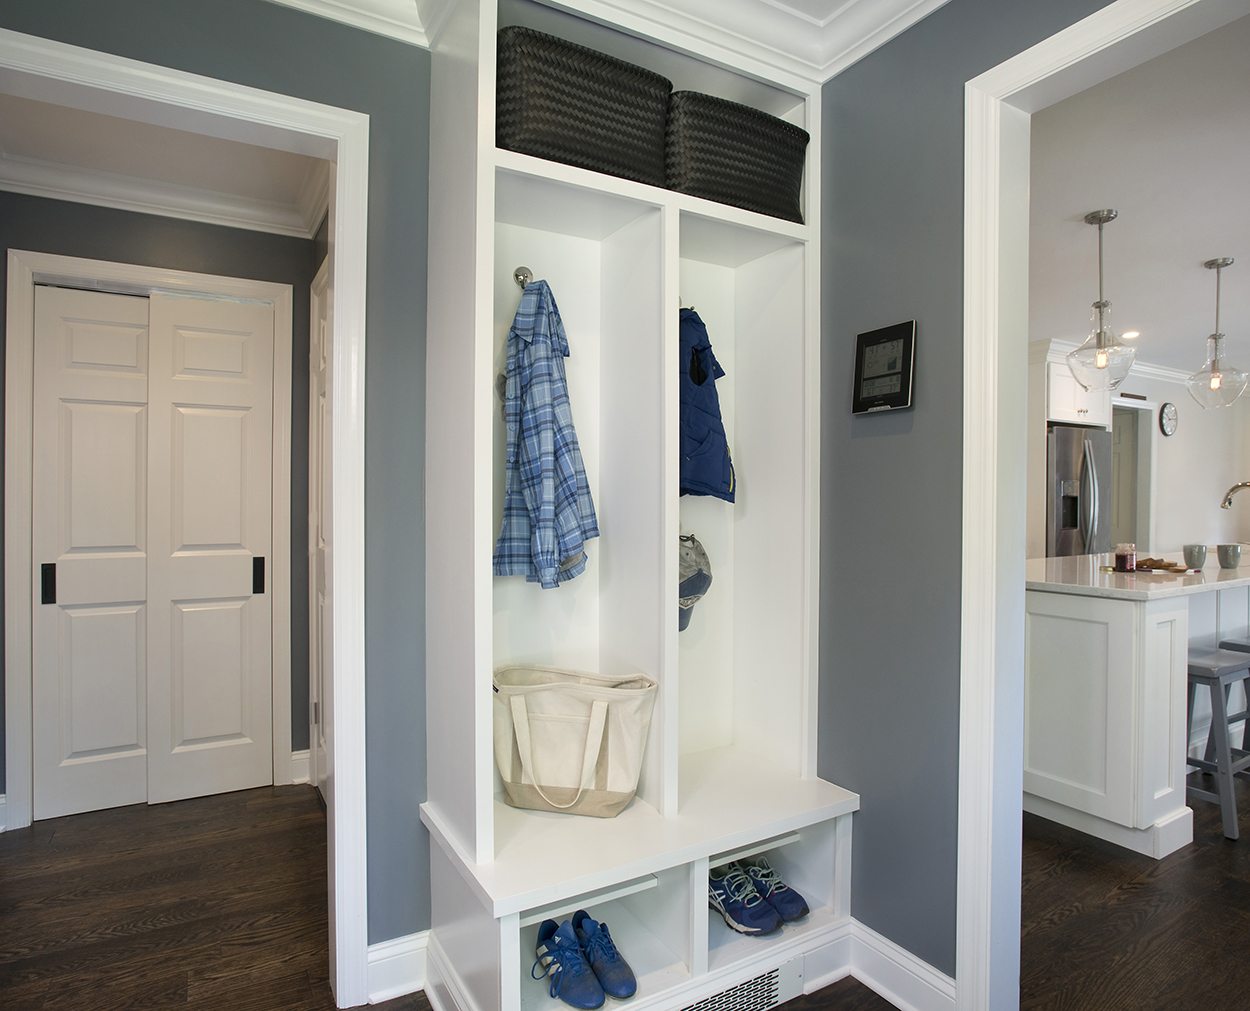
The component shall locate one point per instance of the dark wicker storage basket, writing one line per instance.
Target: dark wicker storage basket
(567, 103)
(734, 154)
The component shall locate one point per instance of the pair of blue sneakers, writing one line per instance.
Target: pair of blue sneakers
(582, 963)
(752, 898)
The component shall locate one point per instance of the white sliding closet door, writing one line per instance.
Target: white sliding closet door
(209, 534)
(89, 489)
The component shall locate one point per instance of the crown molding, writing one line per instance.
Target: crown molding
(1056, 351)
(770, 37)
(395, 19)
(129, 193)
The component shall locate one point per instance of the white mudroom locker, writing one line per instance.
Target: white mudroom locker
(151, 494)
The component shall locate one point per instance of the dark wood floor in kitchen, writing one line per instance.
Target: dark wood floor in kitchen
(220, 903)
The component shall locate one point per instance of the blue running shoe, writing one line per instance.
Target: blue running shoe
(730, 893)
(790, 905)
(612, 971)
(562, 961)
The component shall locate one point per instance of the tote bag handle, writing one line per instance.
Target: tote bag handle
(594, 740)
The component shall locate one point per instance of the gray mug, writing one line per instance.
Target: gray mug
(1195, 555)
(1230, 555)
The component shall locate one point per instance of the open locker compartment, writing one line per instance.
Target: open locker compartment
(600, 253)
(809, 861)
(650, 923)
(744, 687)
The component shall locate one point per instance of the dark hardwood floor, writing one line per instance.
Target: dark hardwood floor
(220, 903)
(1106, 929)
(214, 903)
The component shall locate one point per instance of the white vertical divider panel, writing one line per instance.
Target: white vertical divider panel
(631, 466)
(697, 872)
(666, 725)
(770, 549)
(809, 490)
(457, 637)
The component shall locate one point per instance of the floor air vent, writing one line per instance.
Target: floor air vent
(757, 994)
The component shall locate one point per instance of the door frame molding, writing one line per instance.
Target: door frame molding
(93, 81)
(997, 108)
(27, 269)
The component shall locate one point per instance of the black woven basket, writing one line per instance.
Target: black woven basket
(567, 103)
(734, 154)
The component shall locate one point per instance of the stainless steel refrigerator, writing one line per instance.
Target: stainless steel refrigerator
(1078, 491)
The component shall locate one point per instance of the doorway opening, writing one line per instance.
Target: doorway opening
(104, 84)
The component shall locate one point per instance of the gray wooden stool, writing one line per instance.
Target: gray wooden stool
(1239, 646)
(1218, 670)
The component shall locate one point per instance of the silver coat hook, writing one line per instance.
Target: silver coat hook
(522, 276)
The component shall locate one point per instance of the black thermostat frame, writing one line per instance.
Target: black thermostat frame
(870, 403)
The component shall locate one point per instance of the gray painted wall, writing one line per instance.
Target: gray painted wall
(892, 483)
(101, 233)
(265, 45)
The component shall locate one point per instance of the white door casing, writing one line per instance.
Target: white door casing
(89, 502)
(209, 530)
(54, 71)
(320, 624)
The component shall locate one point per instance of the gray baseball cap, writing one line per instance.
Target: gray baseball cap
(694, 577)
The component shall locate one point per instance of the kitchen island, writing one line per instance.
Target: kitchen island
(1105, 693)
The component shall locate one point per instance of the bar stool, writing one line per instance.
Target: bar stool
(1239, 646)
(1218, 670)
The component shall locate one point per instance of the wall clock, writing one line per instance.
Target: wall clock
(1167, 419)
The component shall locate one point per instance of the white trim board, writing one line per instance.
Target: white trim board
(3, 815)
(997, 106)
(67, 75)
(83, 185)
(397, 966)
(416, 962)
(26, 270)
(298, 772)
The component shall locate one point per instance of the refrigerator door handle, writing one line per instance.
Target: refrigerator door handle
(1095, 484)
(1087, 515)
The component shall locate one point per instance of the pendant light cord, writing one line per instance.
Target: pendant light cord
(1101, 301)
(1218, 272)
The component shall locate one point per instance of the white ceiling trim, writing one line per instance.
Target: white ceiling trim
(406, 27)
(39, 178)
(767, 33)
(1057, 351)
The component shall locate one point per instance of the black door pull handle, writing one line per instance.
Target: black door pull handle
(47, 583)
(258, 574)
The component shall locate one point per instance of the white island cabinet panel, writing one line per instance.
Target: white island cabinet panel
(1079, 715)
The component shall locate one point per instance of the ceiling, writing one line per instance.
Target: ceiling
(55, 151)
(810, 39)
(1167, 144)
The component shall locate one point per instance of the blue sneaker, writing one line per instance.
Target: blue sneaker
(790, 905)
(562, 961)
(730, 893)
(612, 971)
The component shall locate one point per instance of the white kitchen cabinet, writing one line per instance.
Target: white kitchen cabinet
(1068, 401)
(723, 771)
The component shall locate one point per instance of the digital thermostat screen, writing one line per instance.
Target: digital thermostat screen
(884, 361)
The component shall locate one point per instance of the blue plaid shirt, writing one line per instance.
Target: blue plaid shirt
(547, 512)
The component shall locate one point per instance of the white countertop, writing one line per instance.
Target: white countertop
(1082, 576)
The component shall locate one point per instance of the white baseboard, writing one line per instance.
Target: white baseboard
(892, 972)
(397, 967)
(3, 821)
(907, 982)
(299, 767)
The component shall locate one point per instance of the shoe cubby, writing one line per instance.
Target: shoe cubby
(649, 920)
(807, 861)
(730, 760)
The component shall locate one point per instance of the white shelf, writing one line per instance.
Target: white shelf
(574, 181)
(729, 799)
(655, 966)
(557, 910)
(755, 849)
(726, 947)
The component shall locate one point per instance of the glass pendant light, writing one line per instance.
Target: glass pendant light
(1217, 384)
(1103, 361)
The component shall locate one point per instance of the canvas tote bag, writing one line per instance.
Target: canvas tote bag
(570, 741)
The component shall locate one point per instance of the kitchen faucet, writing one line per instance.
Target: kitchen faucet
(1228, 499)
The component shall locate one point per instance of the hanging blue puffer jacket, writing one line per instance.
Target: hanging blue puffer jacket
(706, 467)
